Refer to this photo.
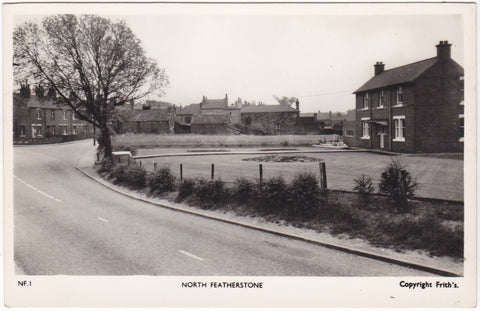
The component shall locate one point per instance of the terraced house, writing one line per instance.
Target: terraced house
(415, 108)
(45, 120)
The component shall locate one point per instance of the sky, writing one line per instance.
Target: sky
(320, 59)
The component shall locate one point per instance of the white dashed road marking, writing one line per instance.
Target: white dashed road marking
(190, 255)
(39, 191)
(102, 219)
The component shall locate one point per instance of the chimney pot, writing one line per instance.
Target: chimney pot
(379, 67)
(443, 50)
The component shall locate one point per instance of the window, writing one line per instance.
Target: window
(74, 116)
(52, 115)
(365, 128)
(52, 130)
(380, 100)
(365, 101)
(39, 114)
(36, 130)
(22, 130)
(64, 115)
(349, 133)
(74, 130)
(399, 96)
(399, 126)
(462, 127)
(63, 130)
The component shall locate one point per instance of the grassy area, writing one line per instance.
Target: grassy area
(437, 178)
(192, 140)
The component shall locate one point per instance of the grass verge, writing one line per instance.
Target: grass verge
(435, 227)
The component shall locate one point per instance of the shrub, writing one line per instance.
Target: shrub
(364, 187)
(161, 181)
(210, 193)
(186, 188)
(304, 195)
(244, 190)
(119, 172)
(272, 196)
(397, 183)
(105, 166)
(137, 177)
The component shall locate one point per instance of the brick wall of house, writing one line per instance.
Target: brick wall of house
(387, 114)
(27, 116)
(361, 113)
(438, 97)
(407, 109)
(21, 118)
(348, 134)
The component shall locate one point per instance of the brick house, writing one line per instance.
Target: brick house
(414, 108)
(209, 106)
(210, 124)
(45, 120)
(147, 121)
(278, 119)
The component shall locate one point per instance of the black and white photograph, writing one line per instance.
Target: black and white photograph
(240, 155)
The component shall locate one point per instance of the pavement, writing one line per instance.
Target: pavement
(420, 260)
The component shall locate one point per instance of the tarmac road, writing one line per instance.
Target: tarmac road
(67, 224)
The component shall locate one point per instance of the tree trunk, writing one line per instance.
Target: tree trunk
(106, 143)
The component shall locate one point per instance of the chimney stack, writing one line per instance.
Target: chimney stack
(379, 67)
(297, 104)
(443, 50)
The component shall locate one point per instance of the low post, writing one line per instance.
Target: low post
(119, 160)
(98, 156)
(323, 176)
(140, 162)
(260, 170)
(213, 171)
(155, 166)
(181, 171)
(128, 161)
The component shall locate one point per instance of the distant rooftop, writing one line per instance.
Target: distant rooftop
(267, 108)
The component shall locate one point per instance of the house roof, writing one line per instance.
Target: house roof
(308, 115)
(323, 116)
(137, 115)
(214, 103)
(35, 102)
(267, 108)
(210, 119)
(399, 75)
(190, 109)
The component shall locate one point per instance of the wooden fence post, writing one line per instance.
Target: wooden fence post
(181, 171)
(323, 175)
(260, 169)
(140, 162)
(154, 166)
(213, 171)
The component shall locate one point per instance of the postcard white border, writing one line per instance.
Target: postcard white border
(289, 292)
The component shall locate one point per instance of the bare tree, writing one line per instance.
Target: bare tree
(93, 64)
(284, 100)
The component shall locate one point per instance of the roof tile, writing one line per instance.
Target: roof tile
(399, 75)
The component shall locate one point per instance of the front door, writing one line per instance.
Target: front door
(381, 135)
